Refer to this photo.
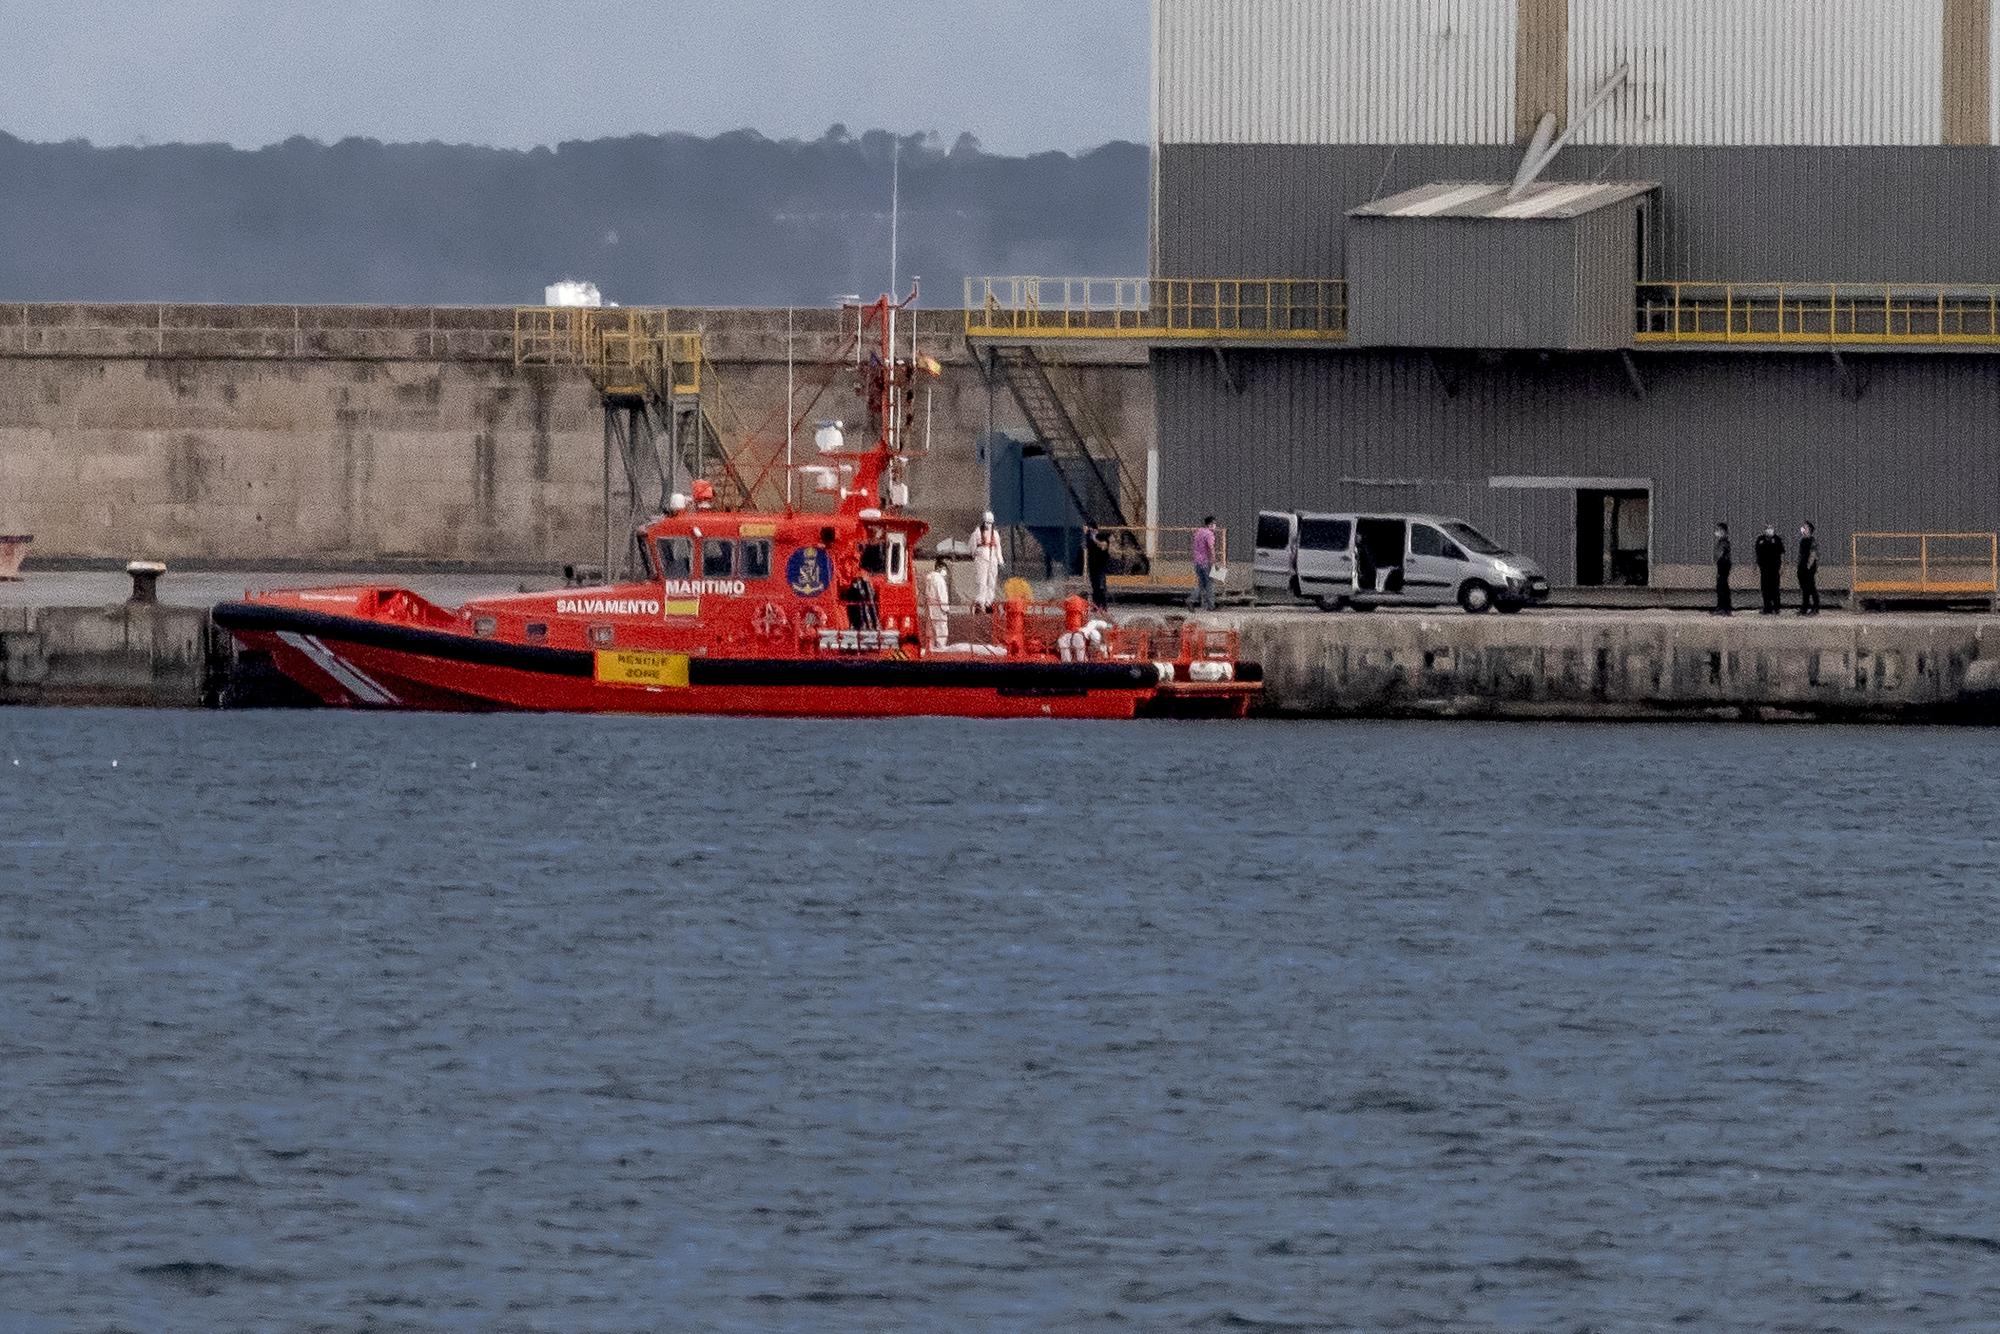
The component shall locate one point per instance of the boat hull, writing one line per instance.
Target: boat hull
(355, 662)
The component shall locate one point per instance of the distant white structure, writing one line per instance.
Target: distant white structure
(572, 292)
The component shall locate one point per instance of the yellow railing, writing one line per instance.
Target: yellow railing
(1924, 565)
(1247, 310)
(1914, 314)
(626, 350)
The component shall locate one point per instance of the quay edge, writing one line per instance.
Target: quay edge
(1626, 666)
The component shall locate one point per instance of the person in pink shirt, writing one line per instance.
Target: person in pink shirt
(1204, 565)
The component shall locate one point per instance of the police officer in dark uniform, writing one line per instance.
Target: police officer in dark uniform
(1808, 570)
(1770, 566)
(1722, 607)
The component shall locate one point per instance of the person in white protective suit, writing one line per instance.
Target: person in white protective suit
(986, 563)
(937, 603)
(1079, 645)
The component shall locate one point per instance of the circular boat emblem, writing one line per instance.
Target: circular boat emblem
(809, 571)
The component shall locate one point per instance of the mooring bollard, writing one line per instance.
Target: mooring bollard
(145, 579)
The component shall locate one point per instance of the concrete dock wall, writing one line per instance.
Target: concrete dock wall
(359, 436)
(1550, 665)
(128, 654)
(1626, 666)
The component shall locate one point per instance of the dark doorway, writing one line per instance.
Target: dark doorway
(1614, 537)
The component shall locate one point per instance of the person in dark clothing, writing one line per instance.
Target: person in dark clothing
(1097, 564)
(1808, 571)
(1770, 566)
(1364, 564)
(859, 595)
(1722, 563)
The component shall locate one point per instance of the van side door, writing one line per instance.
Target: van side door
(1437, 566)
(1326, 565)
(1271, 570)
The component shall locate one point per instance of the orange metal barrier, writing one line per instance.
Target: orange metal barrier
(1924, 566)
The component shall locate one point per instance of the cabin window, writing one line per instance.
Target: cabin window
(874, 557)
(601, 635)
(718, 559)
(484, 626)
(755, 561)
(676, 558)
(537, 630)
(899, 569)
(645, 559)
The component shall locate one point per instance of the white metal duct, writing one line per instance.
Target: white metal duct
(1748, 72)
(1334, 71)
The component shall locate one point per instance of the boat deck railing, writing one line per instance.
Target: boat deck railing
(978, 634)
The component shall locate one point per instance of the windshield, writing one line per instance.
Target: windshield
(1469, 536)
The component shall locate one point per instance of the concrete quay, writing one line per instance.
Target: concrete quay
(74, 639)
(1626, 665)
(128, 654)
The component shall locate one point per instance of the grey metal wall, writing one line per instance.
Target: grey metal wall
(1607, 265)
(1797, 213)
(1748, 437)
(1461, 282)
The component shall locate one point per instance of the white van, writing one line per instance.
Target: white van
(1364, 561)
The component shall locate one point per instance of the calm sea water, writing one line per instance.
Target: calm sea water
(321, 1021)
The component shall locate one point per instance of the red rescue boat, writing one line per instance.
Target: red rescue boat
(787, 613)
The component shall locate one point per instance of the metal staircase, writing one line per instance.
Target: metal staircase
(660, 396)
(1096, 477)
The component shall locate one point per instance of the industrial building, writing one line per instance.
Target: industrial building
(1590, 273)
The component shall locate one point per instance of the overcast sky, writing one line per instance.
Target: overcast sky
(1022, 75)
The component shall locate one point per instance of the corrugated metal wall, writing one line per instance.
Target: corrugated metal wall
(1314, 71)
(1730, 72)
(1478, 282)
(1703, 72)
(1606, 256)
(1748, 438)
(1798, 214)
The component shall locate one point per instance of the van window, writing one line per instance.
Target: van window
(1324, 534)
(1427, 541)
(755, 560)
(1274, 531)
(718, 559)
(676, 558)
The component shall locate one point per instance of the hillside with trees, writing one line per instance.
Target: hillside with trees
(737, 219)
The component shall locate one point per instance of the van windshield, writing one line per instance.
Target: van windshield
(1471, 537)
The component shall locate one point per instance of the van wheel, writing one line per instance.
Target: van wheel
(1331, 603)
(1508, 606)
(1475, 597)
